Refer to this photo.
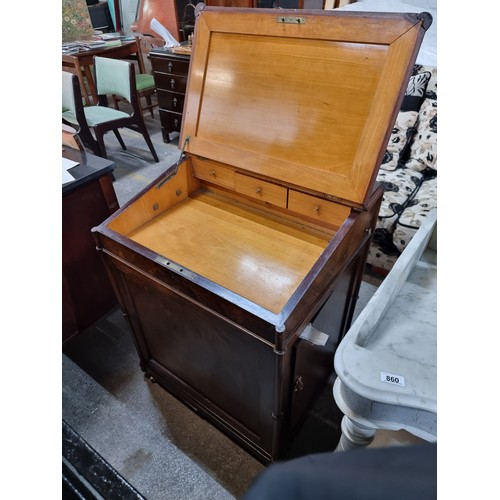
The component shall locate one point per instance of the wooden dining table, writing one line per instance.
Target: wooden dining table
(80, 63)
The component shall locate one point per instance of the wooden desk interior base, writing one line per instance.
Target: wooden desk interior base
(260, 255)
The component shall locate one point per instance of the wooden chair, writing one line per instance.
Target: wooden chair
(146, 87)
(71, 64)
(112, 77)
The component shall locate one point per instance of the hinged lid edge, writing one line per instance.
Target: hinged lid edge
(310, 105)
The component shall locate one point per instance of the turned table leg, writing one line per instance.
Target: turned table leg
(354, 435)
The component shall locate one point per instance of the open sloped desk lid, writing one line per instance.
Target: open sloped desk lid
(305, 97)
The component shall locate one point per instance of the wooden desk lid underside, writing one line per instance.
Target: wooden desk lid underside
(311, 104)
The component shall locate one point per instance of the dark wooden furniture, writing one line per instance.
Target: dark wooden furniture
(170, 72)
(87, 293)
(238, 269)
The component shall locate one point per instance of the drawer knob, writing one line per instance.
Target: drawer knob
(212, 173)
(175, 102)
(176, 123)
(172, 84)
(258, 190)
(316, 210)
(170, 66)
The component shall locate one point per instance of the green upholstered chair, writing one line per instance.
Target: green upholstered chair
(145, 82)
(112, 77)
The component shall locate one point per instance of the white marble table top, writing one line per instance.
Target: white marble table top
(403, 346)
(386, 365)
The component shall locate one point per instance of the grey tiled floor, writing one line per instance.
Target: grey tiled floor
(164, 449)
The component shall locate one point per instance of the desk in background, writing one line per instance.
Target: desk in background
(87, 293)
(80, 63)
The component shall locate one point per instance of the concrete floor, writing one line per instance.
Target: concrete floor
(161, 447)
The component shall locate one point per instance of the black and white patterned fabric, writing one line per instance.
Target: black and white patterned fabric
(408, 172)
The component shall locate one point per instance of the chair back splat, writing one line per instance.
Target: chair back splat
(112, 77)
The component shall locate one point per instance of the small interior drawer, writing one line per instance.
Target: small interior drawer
(261, 190)
(212, 172)
(317, 208)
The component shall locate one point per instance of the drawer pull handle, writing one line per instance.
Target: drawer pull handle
(170, 66)
(212, 173)
(258, 190)
(172, 84)
(175, 102)
(176, 123)
(316, 210)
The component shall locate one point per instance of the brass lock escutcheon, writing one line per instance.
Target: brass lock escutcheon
(291, 20)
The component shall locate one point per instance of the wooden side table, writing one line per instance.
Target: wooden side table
(386, 363)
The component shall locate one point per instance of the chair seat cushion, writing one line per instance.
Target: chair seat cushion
(96, 115)
(144, 81)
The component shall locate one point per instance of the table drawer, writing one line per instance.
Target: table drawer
(317, 208)
(170, 120)
(212, 172)
(261, 190)
(171, 101)
(170, 66)
(174, 83)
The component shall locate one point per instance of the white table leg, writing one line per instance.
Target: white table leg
(354, 435)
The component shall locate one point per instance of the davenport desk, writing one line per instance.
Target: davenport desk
(86, 201)
(225, 262)
(386, 364)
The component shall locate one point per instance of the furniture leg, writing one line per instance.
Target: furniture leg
(145, 133)
(120, 140)
(100, 143)
(149, 102)
(354, 435)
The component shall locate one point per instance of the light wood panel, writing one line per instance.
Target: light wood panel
(260, 259)
(312, 105)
